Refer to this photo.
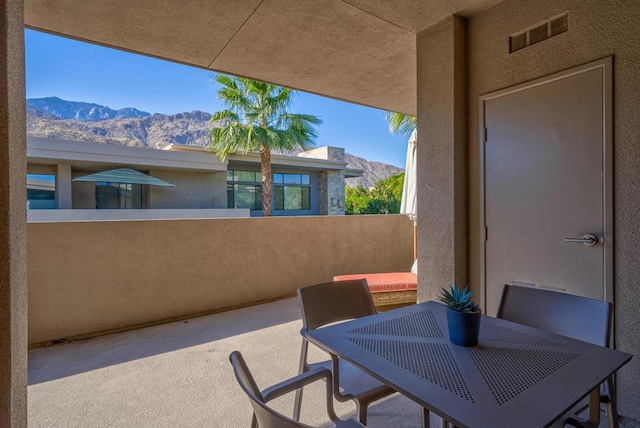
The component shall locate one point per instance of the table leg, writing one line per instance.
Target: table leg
(594, 407)
(425, 418)
(594, 413)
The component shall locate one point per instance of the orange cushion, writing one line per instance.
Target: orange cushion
(382, 282)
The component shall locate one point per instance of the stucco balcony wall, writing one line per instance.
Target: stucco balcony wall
(91, 277)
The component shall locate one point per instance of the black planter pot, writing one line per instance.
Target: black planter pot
(464, 327)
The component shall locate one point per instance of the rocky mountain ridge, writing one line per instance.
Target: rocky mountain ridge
(155, 131)
(373, 171)
(77, 121)
(81, 111)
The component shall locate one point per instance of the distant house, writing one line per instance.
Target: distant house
(71, 175)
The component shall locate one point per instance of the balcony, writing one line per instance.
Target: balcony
(94, 277)
(97, 277)
(178, 375)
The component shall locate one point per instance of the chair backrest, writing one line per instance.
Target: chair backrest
(330, 302)
(573, 316)
(266, 416)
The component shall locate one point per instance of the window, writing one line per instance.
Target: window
(118, 195)
(41, 192)
(292, 191)
(244, 189)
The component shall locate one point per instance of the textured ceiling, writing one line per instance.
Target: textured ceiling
(418, 15)
(362, 51)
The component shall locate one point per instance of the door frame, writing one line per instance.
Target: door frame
(606, 65)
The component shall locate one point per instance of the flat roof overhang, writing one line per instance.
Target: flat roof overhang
(352, 173)
(361, 51)
(93, 156)
(288, 161)
(277, 159)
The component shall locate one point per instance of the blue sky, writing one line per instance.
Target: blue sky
(77, 71)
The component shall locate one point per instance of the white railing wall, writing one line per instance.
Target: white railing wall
(95, 276)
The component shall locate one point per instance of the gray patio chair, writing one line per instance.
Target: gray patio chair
(263, 415)
(573, 316)
(331, 302)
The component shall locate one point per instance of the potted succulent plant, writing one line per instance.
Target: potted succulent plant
(463, 315)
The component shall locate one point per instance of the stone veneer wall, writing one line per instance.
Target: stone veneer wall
(323, 201)
(330, 182)
(331, 193)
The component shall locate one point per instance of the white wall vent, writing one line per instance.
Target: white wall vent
(539, 32)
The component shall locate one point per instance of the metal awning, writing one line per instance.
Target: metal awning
(124, 175)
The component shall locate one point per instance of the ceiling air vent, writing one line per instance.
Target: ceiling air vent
(539, 32)
(559, 25)
(518, 42)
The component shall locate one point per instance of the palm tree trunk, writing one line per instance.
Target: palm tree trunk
(267, 180)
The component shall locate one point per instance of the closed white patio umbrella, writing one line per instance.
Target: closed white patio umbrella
(408, 204)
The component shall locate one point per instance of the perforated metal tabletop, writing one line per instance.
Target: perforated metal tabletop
(516, 377)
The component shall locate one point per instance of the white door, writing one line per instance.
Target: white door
(545, 167)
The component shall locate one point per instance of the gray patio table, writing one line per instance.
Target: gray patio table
(517, 376)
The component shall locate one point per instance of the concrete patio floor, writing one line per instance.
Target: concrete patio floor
(178, 375)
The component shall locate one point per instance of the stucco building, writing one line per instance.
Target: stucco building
(69, 175)
(457, 66)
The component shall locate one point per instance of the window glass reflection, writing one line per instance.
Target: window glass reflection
(41, 191)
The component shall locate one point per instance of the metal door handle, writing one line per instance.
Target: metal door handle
(587, 240)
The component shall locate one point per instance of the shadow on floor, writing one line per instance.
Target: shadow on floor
(72, 358)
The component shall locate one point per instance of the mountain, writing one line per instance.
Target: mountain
(32, 111)
(84, 112)
(77, 121)
(373, 171)
(155, 131)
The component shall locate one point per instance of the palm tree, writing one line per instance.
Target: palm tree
(399, 123)
(256, 119)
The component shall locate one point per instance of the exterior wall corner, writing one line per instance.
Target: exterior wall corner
(442, 159)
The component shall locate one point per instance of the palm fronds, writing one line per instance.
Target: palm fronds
(256, 118)
(401, 124)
